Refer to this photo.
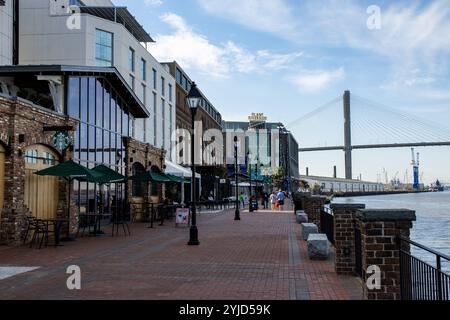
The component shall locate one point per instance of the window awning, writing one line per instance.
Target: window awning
(179, 171)
(136, 107)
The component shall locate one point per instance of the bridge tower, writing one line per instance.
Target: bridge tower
(347, 136)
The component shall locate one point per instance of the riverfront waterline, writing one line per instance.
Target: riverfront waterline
(432, 227)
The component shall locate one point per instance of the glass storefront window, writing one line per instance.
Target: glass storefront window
(74, 98)
(99, 146)
(106, 110)
(91, 99)
(91, 144)
(104, 120)
(84, 100)
(99, 103)
(106, 146)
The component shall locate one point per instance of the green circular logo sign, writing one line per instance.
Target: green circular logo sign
(61, 140)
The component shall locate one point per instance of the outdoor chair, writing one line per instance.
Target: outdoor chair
(137, 211)
(31, 227)
(4, 235)
(40, 233)
(85, 221)
(120, 219)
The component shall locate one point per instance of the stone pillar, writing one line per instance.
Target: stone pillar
(299, 200)
(380, 247)
(313, 207)
(344, 236)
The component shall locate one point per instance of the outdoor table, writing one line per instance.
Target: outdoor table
(57, 223)
(97, 220)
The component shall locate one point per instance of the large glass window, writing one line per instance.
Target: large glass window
(154, 119)
(163, 86)
(99, 103)
(74, 98)
(170, 128)
(103, 48)
(131, 61)
(91, 100)
(163, 123)
(154, 79)
(139, 133)
(179, 76)
(132, 82)
(143, 70)
(144, 95)
(138, 186)
(98, 139)
(84, 99)
(170, 92)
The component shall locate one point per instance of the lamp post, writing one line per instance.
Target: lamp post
(193, 99)
(237, 215)
(250, 205)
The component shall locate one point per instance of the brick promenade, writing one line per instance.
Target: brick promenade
(260, 257)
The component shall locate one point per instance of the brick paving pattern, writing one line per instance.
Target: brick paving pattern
(260, 257)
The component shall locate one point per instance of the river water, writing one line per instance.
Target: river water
(432, 227)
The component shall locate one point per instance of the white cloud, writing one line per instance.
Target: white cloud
(153, 3)
(312, 81)
(194, 51)
(274, 16)
(408, 79)
(412, 35)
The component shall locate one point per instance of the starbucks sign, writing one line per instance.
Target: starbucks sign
(61, 140)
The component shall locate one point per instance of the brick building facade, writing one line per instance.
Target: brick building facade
(21, 126)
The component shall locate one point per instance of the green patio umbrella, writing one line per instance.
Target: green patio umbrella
(177, 179)
(151, 176)
(108, 175)
(70, 170)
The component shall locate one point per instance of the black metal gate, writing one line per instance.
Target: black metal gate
(327, 224)
(358, 253)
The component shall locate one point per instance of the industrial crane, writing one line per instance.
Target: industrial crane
(415, 165)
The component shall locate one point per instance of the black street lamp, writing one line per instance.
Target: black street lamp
(237, 215)
(193, 99)
(256, 177)
(250, 206)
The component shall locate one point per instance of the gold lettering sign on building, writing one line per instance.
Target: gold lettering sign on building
(255, 117)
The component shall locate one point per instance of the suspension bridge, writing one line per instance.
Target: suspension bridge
(369, 119)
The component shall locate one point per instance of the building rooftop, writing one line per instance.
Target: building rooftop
(119, 15)
(303, 177)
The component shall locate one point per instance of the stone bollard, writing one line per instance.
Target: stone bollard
(301, 216)
(318, 246)
(313, 208)
(307, 229)
(380, 247)
(344, 236)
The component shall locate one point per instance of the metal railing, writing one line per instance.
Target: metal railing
(420, 280)
(327, 223)
(358, 253)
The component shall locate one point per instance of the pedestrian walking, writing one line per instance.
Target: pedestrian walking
(266, 200)
(280, 197)
(242, 200)
(273, 200)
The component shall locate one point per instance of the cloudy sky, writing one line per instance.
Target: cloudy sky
(288, 57)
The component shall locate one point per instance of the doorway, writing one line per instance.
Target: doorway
(41, 192)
